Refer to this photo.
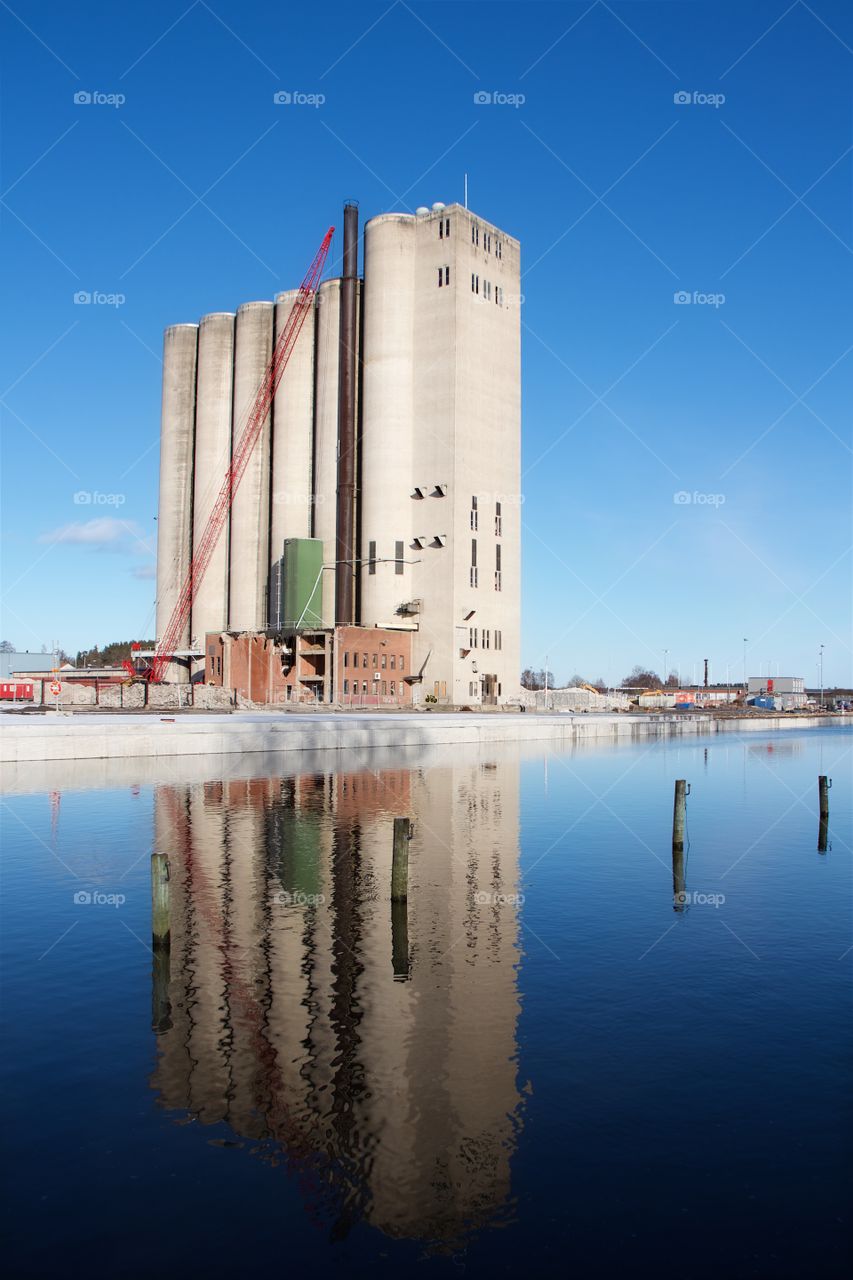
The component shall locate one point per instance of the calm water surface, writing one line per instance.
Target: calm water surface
(549, 1063)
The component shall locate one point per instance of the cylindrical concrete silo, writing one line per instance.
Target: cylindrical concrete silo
(326, 434)
(249, 544)
(387, 416)
(212, 459)
(174, 520)
(292, 434)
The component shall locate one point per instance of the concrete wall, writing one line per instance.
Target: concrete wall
(212, 458)
(292, 434)
(250, 512)
(177, 435)
(97, 737)
(325, 473)
(441, 426)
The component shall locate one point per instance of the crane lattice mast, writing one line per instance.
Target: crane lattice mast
(240, 456)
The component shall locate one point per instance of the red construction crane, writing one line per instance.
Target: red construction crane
(240, 456)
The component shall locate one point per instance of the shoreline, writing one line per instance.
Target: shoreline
(54, 737)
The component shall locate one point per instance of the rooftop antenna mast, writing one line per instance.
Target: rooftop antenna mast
(466, 190)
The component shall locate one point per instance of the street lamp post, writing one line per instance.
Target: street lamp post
(745, 682)
(821, 677)
(665, 659)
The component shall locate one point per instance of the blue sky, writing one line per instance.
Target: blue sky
(198, 192)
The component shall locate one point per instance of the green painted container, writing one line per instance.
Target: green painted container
(302, 584)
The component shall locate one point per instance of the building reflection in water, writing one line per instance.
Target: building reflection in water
(382, 1071)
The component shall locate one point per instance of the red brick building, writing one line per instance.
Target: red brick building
(350, 667)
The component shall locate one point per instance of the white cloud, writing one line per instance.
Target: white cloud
(105, 533)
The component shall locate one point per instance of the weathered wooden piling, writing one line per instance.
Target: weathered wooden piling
(160, 926)
(400, 860)
(400, 941)
(679, 813)
(823, 785)
(161, 977)
(679, 879)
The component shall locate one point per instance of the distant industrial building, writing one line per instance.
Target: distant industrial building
(780, 693)
(22, 663)
(384, 490)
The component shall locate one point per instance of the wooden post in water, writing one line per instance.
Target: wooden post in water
(679, 814)
(161, 977)
(679, 882)
(160, 930)
(400, 860)
(823, 785)
(400, 941)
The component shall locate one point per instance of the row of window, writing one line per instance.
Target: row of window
(486, 636)
(487, 240)
(475, 517)
(443, 276)
(474, 690)
(474, 572)
(444, 228)
(374, 688)
(376, 660)
(371, 557)
(489, 292)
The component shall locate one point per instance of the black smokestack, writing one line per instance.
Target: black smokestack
(345, 531)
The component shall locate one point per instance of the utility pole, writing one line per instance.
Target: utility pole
(745, 682)
(665, 658)
(821, 677)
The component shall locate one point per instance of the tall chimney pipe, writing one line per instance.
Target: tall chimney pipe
(706, 673)
(345, 526)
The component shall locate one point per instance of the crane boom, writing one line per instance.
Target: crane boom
(240, 455)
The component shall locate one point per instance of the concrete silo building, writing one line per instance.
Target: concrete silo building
(390, 464)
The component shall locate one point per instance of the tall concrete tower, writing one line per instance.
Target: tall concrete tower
(423, 515)
(441, 440)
